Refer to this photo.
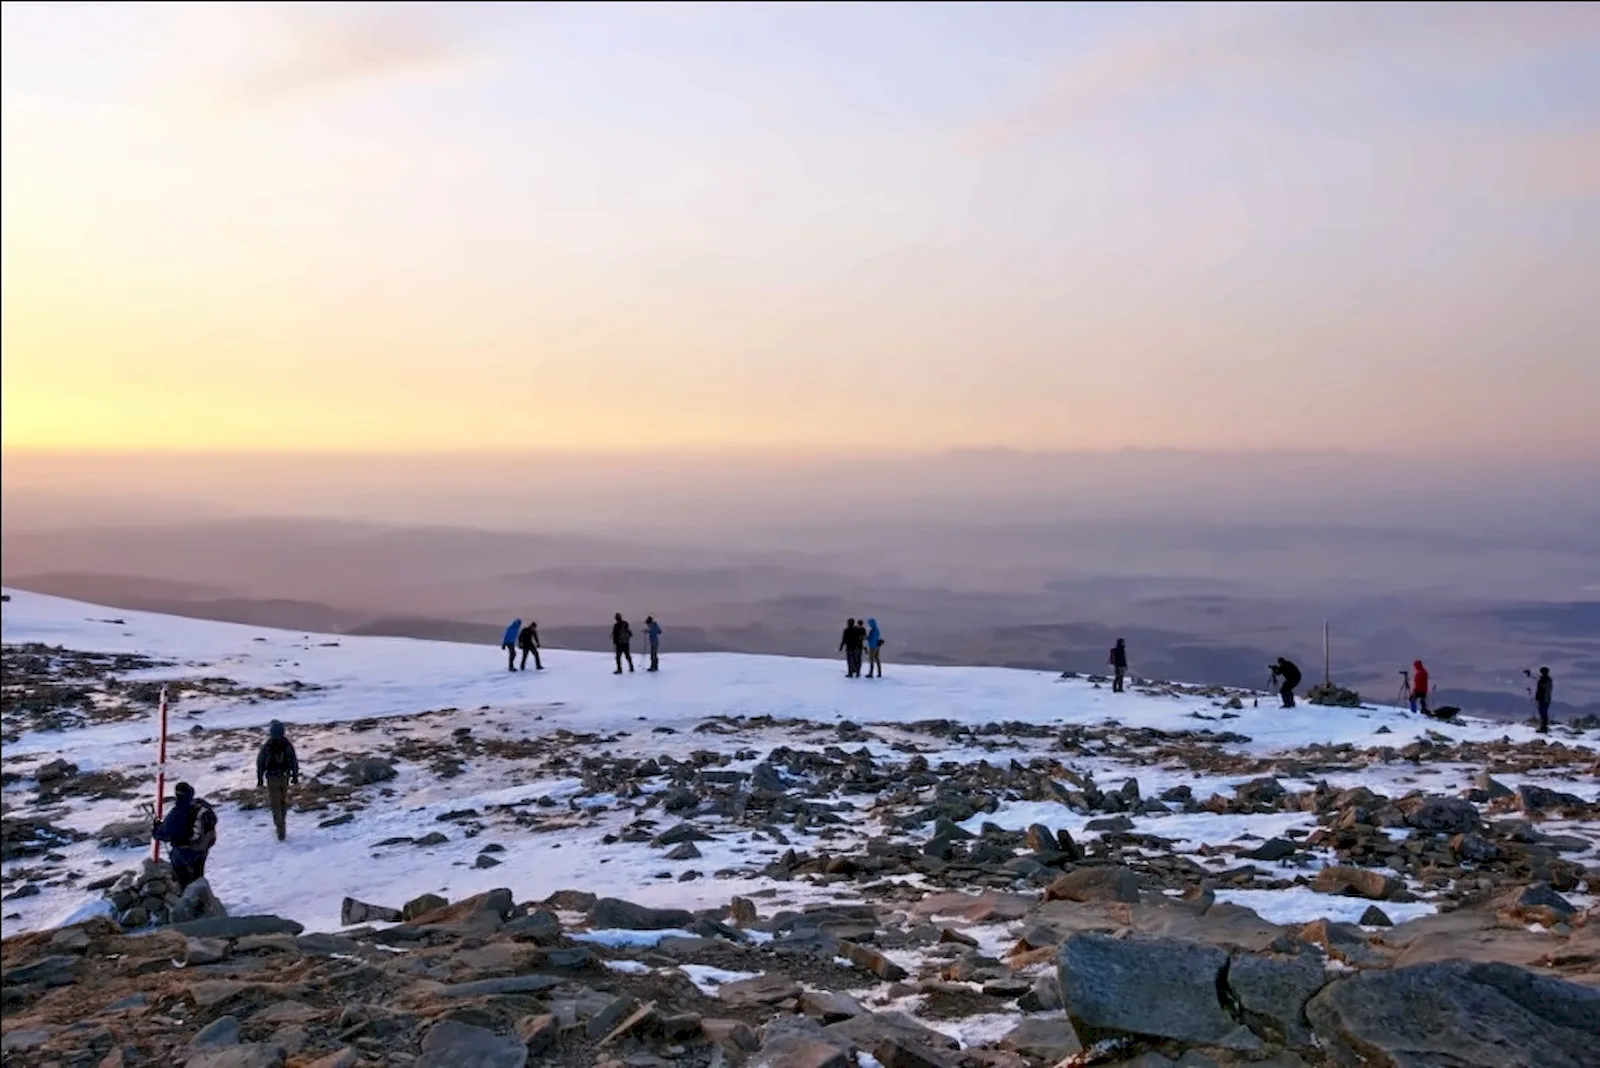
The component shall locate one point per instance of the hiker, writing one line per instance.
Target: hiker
(652, 631)
(528, 642)
(1119, 664)
(277, 768)
(874, 649)
(1288, 675)
(1419, 687)
(508, 642)
(622, 641)
(850, 642)
(190, 828)
(1542, 692)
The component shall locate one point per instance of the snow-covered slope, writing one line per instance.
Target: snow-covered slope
(557, 831)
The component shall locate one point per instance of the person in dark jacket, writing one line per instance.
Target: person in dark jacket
(528, 642)
(1287, 675)
(1543, 691)
(854, 636)
(1119, 664)
(622, 641)
(508, 642)
(189, 827)
(652, 631)
(277, 768)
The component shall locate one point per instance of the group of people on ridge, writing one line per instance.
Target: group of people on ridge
(525, 639)
(862, 636)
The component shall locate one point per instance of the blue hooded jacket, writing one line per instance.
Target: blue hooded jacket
(874, 636)
(509, 640)
(653, 631)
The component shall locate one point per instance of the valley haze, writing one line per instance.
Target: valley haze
(1210, 564)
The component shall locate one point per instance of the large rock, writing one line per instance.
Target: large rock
(1273, 991)
(353, 912)
(1441, 815)
(369, 770)
(450, 1044)
(1357, 882)
(1095, 884)
(198, 903)
(1045, 1040)
(237, 927)
(1459, 1015)
(250, 1055)
(611, 912)
(488, 909)
(1152, 988)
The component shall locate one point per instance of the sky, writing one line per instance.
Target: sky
(752, 227)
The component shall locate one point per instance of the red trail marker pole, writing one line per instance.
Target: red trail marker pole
(161, 776)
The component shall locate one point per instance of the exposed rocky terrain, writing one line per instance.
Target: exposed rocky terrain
(776, 890)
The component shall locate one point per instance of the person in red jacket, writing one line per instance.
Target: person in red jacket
(1419, 687)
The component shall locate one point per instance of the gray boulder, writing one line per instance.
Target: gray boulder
(1442, 815)
(611, 912)
(1457, 1014)
(198, 903)
(1272, 993)
(1147, 987)
(353, 912)
(450, 1044)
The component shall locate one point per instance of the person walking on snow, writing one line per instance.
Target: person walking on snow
(508, 642)
(652, 631)
(1419, 687)
(1119, 664)
(277, 768)
(528, 642)
(622, 641)
(1543, 690)
(874, 649)
(190, 828)
(850, 642)
(1288, 676)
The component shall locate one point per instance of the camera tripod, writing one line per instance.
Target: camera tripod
(1403, 698)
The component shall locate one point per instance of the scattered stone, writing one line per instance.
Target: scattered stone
(1357, 882)
(353, 913)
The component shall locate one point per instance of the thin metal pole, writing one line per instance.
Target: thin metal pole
(161, 776)
(1327, 663)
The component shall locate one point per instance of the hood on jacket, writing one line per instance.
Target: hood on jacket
(1417, 664)
(275, 730)
(872, 624)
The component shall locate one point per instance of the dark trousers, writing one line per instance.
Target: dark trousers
(624, 652)
(655, 656)
(278, 801)
(1287, 693)
(187, 867)
(875, 661)
(1544, 717)
(852, 661)
(1118, 672)
(1419, 703)
(533, 653)
(511, 658)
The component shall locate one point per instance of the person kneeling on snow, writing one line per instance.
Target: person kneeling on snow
(276, 768)
(191, 829)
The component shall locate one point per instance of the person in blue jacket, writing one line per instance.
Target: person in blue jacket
(652, 631)
(508, 642)
(190, 828)
(874, 649)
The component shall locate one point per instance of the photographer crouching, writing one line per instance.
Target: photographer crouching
(1285, 676)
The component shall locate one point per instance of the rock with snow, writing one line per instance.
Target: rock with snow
(1147, 987)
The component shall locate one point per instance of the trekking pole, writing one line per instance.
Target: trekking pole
(161, 776)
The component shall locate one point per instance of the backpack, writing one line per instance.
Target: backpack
(203, 829)
(278, 763)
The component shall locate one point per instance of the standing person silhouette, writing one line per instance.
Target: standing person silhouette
(622, 642)
(528, 642)
(1119, 664)
(1543, 691)
(874, 649)
(652, 632)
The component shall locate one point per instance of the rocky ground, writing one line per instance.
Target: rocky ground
(903, 893)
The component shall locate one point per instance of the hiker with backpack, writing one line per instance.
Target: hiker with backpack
(622, 641)
(277, 768)
(1119, 664)
(190, 828)
(1286, 676)
(508, 642)
(528, 642)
